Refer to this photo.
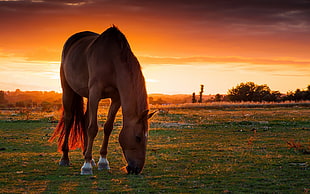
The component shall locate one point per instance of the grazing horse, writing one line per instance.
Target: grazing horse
(96, 67)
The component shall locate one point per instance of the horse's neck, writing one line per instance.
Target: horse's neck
(133, 106)
(133, 97)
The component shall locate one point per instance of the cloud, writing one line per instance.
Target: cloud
(19, 65)
(261, 11)
(202, 26)
(254, 16)
(224, 60)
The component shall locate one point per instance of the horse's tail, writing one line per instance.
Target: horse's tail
(76, 128)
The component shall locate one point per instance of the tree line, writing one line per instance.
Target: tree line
(250, 91)
(30, 99)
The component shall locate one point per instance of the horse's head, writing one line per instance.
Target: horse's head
(133, 140)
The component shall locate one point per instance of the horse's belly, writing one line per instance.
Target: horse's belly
(77, 79)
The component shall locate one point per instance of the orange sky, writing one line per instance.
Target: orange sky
(180, 44)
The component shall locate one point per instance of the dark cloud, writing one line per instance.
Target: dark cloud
(218, 21)
(253, 10)
(234, 13)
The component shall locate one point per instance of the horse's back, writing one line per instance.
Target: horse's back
(75, 38)
(74, 61)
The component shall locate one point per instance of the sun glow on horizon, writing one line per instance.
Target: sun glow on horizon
(183, 77)
(18, 73)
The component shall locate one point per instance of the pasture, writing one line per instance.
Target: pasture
(190, 150)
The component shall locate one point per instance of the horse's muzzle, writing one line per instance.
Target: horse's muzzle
(133, 170)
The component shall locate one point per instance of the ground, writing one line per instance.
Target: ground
(190, 150)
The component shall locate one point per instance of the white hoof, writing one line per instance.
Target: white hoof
(87, 169)
(103, 164)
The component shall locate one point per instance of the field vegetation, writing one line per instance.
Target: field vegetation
(191, 149)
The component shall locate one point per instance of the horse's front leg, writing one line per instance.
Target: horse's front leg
(86, 123)
(108, 127)
(92, 131)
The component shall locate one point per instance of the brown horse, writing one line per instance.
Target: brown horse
(96, 67)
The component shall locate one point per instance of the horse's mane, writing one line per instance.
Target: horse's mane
(132, 65)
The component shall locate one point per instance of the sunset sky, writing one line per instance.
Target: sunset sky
(180, 44)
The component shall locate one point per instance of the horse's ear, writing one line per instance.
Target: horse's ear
(146, 114)
(151, 114)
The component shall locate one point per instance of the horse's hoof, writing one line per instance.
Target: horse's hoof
(64, 162)
(93, 163)
(103, 164)
(87, 169)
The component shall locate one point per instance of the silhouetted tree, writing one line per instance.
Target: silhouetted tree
(274, 96)
(218, 98)
(300, 95)
(194, 98)
(308, 93)
(251, 92)
(200, 94)
(242, 92)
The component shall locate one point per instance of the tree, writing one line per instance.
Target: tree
(242, 92)
(300, 95)
(274, 96)
(200, 94)
(252, 92)
(308, 93)
(194, 98)
(218, 98)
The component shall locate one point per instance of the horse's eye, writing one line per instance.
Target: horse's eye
(138, 139)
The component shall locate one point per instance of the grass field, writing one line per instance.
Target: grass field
(190, 150)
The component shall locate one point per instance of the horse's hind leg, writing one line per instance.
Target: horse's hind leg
(68, 97)
(108, 127)
(86, 117)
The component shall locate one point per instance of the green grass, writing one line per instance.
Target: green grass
(189, 151)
